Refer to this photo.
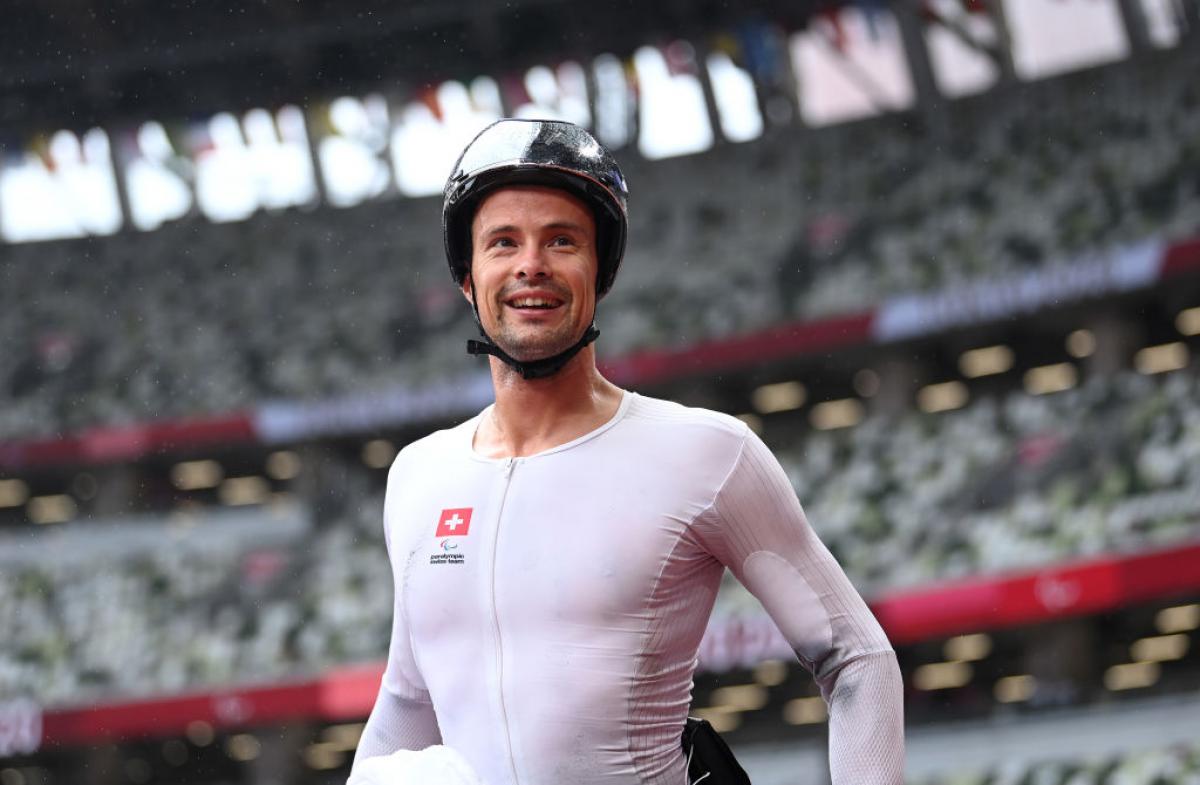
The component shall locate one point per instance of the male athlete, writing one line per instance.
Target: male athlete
(556, 557)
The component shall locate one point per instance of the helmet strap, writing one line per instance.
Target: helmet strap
(532, 369)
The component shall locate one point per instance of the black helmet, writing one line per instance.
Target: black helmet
(537, 152)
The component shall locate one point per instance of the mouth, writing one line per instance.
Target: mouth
(534, 302)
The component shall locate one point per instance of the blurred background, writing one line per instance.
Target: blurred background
(943, 255)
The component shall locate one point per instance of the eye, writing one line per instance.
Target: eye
(562, 240)
(502, 242)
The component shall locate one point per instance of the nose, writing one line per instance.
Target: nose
(532, 262)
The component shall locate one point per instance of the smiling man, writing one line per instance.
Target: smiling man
(556, 557)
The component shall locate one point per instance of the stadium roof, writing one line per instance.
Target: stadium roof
(71, 63)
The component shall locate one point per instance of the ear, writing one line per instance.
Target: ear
(466, 287)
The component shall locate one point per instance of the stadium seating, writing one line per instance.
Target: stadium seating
(1166, 766)
(198, 318)
(183, 615)
(1003, 483)
(1010, 483)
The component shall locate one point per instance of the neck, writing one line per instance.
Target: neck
(532, 415)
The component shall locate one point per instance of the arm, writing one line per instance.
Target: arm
(403, 716)
(756, 527)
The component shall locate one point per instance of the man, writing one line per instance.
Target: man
(556, 557)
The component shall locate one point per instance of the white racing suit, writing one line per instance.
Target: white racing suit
(549, 608)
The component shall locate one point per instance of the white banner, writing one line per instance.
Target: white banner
(286, 421)
(742, 641)
(1117, 270)
(20, 727)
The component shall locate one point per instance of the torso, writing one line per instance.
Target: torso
(556, 632)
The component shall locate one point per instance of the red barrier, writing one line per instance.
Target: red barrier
(1069, 590)
(127, 442)
(947, 609)
(775, 343)
(1181, 257)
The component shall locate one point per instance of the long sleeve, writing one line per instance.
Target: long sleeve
(396, 724)
(403, 715)
(757, 528)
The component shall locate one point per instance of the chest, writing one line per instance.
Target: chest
(540, 542)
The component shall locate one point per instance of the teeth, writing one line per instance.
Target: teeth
(532, 302)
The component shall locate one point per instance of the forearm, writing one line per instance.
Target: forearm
(866, 721)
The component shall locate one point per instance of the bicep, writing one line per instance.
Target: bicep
(758, 529)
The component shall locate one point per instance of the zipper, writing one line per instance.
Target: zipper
(509, 465)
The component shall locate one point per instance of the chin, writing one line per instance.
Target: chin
(531, 350)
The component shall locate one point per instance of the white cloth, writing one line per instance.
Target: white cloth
(436, 765)
(549, 608)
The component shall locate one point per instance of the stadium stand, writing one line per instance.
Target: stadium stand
(294, 592)
(1007, 483)
(313, 304)
(1010, 481)
(1166, 766)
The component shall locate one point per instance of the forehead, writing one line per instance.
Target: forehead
(531, 204)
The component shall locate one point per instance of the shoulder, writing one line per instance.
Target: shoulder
(703, 431)
(436, 446)
(671, 415)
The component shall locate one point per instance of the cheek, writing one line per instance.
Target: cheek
(484, 278)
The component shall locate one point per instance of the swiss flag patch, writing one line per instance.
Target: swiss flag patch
(454, 522)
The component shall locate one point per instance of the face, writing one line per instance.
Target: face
(533, 267)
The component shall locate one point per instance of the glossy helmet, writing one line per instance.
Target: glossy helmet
(537, 152)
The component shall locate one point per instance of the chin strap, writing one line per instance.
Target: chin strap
(532, 369)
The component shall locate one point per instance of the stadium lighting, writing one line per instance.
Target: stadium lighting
(942, 676)
(343, 737)
(323, 756)
(841, 413)
(51, 509)
(942, 397)
(1131, 676)
(805, 711)
(1047, 379)
(1160, 648)
(986, 361)
(242, 747)
(196, 475)
(866, 383)
(1162, 358)
(13, 493)
(200, 733)
(283, 465)
(771, 673)
(1081, 343)
(378, 453)
(237, 491)
(1188, 321)
(753, 421)
(1014, 689)
(722, 718)
(1180, 618)
(740, 697)
(780, 397)
(968, 648)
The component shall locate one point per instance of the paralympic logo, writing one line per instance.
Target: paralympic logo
(447, 545)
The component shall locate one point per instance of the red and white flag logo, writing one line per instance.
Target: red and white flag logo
(454, 522)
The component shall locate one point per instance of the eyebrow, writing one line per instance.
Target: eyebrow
(568, 225)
